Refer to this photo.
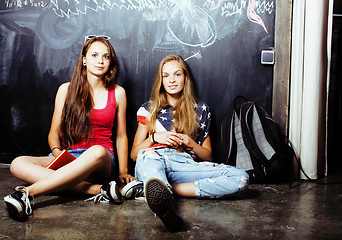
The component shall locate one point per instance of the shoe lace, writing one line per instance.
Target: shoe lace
(138, 192)
(26, 199)
(101, 197)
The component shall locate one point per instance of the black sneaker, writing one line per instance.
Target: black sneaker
(159, 199)
(132, 190)
(108, 193)
(19, 203)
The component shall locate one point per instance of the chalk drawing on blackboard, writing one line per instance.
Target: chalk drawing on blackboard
(187, 25)
(191, 25)
(18, 22)
(196, 55)
(253, 16)
(185, 9)
(59, 33)
(69, 8)
(230, 8)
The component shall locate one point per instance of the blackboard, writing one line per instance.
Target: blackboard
(221, 41)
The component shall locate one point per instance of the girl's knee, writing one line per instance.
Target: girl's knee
(147, 166)
(240, 179)
(142, 172)
(98, 150)
(17, 165)
(98, 153)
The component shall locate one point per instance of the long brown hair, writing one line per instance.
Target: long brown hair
(75, 122)
(184, 114)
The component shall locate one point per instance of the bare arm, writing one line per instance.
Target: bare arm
(53, 137)
(140, 141)
(203, 152)
(171, 139)
(121, 134)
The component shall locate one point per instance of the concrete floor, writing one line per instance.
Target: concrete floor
(309, 211)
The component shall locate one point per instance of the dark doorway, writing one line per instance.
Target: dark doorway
(335, 94)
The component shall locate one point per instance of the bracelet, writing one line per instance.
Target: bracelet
(55, 148)
(153, 137)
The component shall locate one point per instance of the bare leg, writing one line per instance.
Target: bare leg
(87, 188)
(93, 164)
(30, 169)
(184, 189)
(33, 169)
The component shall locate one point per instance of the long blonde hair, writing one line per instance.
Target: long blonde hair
(184, 114)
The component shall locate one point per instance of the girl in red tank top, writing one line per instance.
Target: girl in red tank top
(102, 123)
(82, 122)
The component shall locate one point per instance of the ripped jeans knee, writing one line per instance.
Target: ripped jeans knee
(244, 182)
(150, 164)
(221, 186)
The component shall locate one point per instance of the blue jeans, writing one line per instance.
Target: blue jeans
(211, 180)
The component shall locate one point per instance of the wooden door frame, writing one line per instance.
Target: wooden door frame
(282, 66)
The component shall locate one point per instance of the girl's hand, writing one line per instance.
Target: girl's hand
(169, 138)
(125, 177)
(56, 152)
(186, 140)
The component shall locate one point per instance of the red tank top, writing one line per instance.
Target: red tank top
(102, 121)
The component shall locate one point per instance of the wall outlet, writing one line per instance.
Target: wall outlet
(267, 57)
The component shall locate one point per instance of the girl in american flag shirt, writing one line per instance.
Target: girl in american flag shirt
(172, 146)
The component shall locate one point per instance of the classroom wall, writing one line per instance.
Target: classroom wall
(41, 40)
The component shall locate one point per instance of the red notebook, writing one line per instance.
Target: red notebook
(62, 159)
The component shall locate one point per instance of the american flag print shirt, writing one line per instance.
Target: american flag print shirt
(165, 119)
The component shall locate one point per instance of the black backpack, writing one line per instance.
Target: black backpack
(253, 141)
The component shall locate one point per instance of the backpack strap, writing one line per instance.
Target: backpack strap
(228, 139)
(238, 101)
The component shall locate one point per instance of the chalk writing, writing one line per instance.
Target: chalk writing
(74, 7)
(264, 7)
(209, 4)
(25, 3)
(230, 8)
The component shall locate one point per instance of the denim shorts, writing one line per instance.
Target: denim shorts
(77, 152)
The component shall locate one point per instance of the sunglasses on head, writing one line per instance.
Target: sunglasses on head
(86, 38)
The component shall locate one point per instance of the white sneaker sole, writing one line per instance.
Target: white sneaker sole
(127, 190)
(14, 207)
(115, 189)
